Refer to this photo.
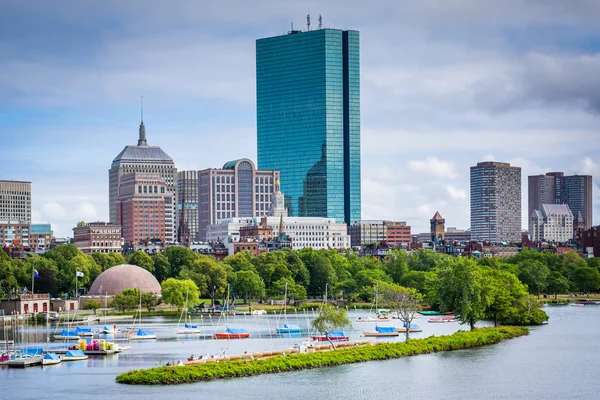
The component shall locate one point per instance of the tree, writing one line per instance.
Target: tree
(179, 258)
(405, 302)
(423, 260)
(587, 279)
(149, 300)
(505, 291)
(294, 290)
(124, 302)
(415, 280)
(330, 318)
(557, 284)
(459, 285)
(248, 282)
(176, 291)
(47, 271)
(107, 260)
(142, 260)
(80, 224)
(241, 261)
(534, 273)
(92, 305)
(394, 264)
(161, 266)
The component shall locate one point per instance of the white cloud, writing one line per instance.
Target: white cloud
(433, 166)
(456, 193)
(53, 211)
(587, 166)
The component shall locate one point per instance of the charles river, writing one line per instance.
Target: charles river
(560, 360)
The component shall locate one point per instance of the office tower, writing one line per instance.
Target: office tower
(15, 201)
(142, 206)
(437, 227)
(187, 197)
(145, 159)
(236, 190)
(551, 223)
(495, 202)
(308, 120)
(98, 237)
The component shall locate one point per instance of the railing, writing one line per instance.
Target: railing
(39, 296)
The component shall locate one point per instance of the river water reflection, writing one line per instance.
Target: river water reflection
(558, 360)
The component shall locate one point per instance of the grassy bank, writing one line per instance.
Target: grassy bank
(381, 351)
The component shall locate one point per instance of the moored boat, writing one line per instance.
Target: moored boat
(51, 359)
(84, 331)
(337, 336)
(142, 334)
(382, 331)
(108, 331)
(437, 320)
(66, 335)
(289, 328)
(233, 333)
(188, 329)
(74, 355)
(413, 328)
(378, 319)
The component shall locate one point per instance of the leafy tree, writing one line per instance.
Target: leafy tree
(368, 277)
(460, 285)
(179, 258)
(161, 266)
(329, 319)
(249, 283)
(405, 302)
(415, 280)
(534, 274)
(175, 292)
(296, 266)
(505, 291)
(267, 264)
(124, 302)
(557, 284)
(107, 260)
(587, 279)
(149, 300)
(142, 260)
(321, 275)
(423, 260)
(80, 224)
(92, 305)
(294, 290)
(241, 261)
(47, 270)
(394, 264)
(209, 276)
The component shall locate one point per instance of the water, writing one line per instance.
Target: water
(558, 360)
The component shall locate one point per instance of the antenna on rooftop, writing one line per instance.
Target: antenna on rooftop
(320, 21)
(308, 22)
(142, 107)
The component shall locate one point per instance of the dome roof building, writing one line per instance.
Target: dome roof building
(125, 276)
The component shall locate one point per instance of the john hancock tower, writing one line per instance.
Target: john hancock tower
(308, 119)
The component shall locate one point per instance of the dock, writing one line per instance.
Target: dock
(25, 363)
(102, 353)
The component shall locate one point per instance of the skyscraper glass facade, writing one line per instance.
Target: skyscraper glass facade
(308, 120)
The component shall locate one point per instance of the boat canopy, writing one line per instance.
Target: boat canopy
(412, 326)
(337, 334)
(75, 353)
(292, 327)
(67, 333)
(33, 351)
(106, 328)
(83, 330)
(236, 330)
(385, 329)
(142, 332)
(190, 326)
(51, 356)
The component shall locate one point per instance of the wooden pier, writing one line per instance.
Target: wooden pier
(25, 363)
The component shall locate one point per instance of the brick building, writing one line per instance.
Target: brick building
(98, 237)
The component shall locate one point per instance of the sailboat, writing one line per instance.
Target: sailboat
(187, 328)
(74, 355)
(141, 334)
(382, 331)
(51, 359)
(378, 317)
(232, 333)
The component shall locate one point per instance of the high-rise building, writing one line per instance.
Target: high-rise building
(141, 207)
(187, 207)
(394, 233)
(556, 188)
(40, 237)
(495, 202)
(145, 159)
(15, 201)
(438, 227)
(308, 120)
(552, 223)
(98, 237)
(236, 190)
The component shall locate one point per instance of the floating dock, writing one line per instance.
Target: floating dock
(28, 362)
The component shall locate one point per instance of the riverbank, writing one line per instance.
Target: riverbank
(380, 351)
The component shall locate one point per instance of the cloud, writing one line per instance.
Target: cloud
(456, 193)
(433, 166)
(587, 166)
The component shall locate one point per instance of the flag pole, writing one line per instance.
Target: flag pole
(32, 278)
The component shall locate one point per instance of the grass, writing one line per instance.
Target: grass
(381, 351)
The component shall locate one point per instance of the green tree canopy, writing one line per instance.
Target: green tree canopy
(176, 291)
(142, 260)
(249, 283)
(587, 279)
(331, 318)
(404, 302)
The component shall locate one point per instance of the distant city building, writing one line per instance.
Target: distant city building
(589, 240)
(142, 206)
(495, 202)
(15, 201)
(457, 235)
(364, 232)
(187, 197)
(98, 237)
(14, 233)
(438, 225)
(553, 223)
(146, 159)
(556, 188)
(238, 190)
(40, 237)
(308, 120)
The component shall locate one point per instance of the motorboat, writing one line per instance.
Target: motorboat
(233, 333)
(288, 329)
(142, 334)
(413, 328)
(337, 336)
(188, 329)
(382, 331)
(51, 359)
(66, 335)
(74, 355)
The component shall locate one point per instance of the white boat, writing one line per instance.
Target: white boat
(51, 359)
(142, 335)
(413, 328)
(382, 331)
(381, 319)
(66, 335)
(188, 329)
(84, 331)
(437, 320)
(108, 331)
(74, 355)
(259, 312)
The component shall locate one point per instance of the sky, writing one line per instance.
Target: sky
(444, 85)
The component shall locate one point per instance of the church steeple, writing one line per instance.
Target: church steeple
(142, 139)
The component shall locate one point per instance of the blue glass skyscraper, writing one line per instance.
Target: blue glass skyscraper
(308, 119)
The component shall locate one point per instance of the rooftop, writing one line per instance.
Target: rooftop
(143, 154)
(557, 209)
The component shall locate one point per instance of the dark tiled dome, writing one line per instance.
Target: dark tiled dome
(125, 276)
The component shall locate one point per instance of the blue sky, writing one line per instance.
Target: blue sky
(444, 84)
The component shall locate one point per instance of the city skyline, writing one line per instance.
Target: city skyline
(436, 98)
